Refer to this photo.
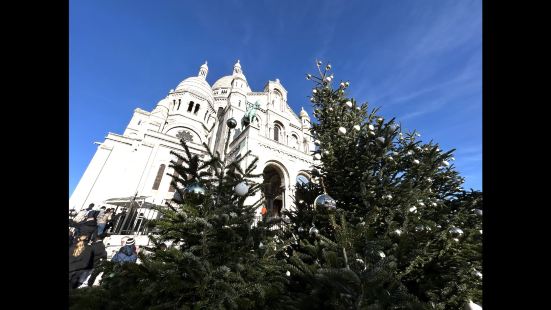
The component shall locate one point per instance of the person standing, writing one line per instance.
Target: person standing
(82, 214)
(99, 254)
(103, 217)
(89, 227)
(80, 262)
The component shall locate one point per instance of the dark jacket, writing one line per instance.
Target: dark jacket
(88, 227)
(98, 252)
(126, 254)
(81, 262)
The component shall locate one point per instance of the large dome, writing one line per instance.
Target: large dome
(223, 82)
(198, 86)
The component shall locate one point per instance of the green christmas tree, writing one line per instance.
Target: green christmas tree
(397, 231)
(215, 261)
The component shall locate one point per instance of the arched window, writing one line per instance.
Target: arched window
(176, 175)
(190, 106)
(302, 179)
(276, 133)
(173, 104)
(294, 141)
(197, 106)
(279, 132)
(159, 177)
(179, 102)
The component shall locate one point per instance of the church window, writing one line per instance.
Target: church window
(179, 102)
(159, 177)
(197, 106)
(175, 177)
(276, 133)
(190, 106)
(173, 104)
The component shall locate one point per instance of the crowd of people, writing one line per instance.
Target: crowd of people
(87, 231)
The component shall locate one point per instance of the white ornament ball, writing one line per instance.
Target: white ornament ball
(317, 156)
(456, 231)
(319, 62)
(357, 127)
(358, 108)
(382, 254)
(288, 273)
(314, 91)
(312, 99)
(415, 161)
(241, 189)
(380, 120)
(330, 109)
(308, 76)
(328, 67)
(347, 84)
(342, 130)
(349, 104)
(328, 79)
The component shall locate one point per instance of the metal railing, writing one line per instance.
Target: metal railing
(133, 220)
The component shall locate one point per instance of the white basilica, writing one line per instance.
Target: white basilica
(136, 163)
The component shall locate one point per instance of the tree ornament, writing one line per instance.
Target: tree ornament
(415, 161)
(288, 273)
(314, 91)
(347, 84)
(478, 273)
(371, 127)
(194, 193)
(413, 209)
(328, 67)
(382, 254)
(312, 99)
(231, 122)
(357, 127)
(317, 156)
(349, 104)
(380, 120)
(319, 62)
(342, 85)
(381, 139)
(241, 189)
(325, 201)
(331, 109)
(308, 76)
(328, 79)
(342, 131)
(472, 306)
(314, 232)
(358, 108)
(456, 231)
(418, 134)
(478, 212)
(396, 232)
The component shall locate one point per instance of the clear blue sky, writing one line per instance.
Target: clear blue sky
(420, 61)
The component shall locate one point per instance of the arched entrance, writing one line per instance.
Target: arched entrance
(274, 190)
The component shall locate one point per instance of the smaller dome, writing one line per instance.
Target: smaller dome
(223, 82)
(197, 86)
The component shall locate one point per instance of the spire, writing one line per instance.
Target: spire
(303, 113)
(203, 71)
(237, 68)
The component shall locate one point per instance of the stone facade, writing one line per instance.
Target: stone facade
(137, 162)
